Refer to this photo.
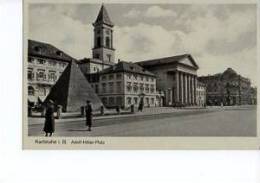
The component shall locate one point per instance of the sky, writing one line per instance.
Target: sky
(217, 36)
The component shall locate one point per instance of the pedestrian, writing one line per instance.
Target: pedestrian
(88, 111)
(141, 105)
(49, 125)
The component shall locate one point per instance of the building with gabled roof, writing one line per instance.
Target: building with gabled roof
(125, 84)
(45, 65)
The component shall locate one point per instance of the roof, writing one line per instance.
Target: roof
(167, 60)
(127, 67)
(94, 60)
(103, 17)
(37, 48)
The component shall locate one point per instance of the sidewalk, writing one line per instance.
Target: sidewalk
(147, 111)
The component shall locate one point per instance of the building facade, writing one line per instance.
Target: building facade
(227, 88)
(176, 78)
(125, 84)
(45, 65)
(201, 94)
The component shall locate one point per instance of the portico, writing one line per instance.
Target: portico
(177, 77)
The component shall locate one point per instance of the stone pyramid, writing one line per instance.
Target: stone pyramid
(72, 90)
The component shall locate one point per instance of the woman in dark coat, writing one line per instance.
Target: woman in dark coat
(88, 111)
(49, 125)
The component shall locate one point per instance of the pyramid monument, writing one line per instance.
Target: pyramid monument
(72, 90)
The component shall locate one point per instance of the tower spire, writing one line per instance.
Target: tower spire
(103, 17)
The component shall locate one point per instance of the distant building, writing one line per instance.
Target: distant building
(125, 84)
(228, 88)
(176, 77)
(45, 65)
(201, 94)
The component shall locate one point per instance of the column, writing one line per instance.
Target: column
(195, 86)
(177, 86)
(192, 90)
(181, 87)
(188, 89)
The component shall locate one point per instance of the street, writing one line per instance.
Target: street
(227, 121)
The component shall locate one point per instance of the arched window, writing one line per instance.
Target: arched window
(108, 42)
(30, 90)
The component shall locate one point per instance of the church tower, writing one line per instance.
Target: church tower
(103, 37)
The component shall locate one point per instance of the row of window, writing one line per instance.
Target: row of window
(141, 77)
(52, 63)
(41, 75)
(111, 101)
(41, 91)
(111, 77)
(134, 100)
(140, 87)
(110, 88)
(129, 76)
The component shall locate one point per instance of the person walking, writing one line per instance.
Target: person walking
(88, 111)
(49, 125)
(141, 105)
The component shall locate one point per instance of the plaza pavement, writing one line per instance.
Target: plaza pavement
(212, 121)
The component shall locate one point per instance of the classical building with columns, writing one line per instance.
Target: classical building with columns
(176, 77)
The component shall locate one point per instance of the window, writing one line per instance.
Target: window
(42, 91)
(118, 86)
(129, 86)
(129, 76)
(147, 100)
(111, 87)
(152, 79)
(136, 100)
(30, 74)
(142, 87)
(129, 100)
(52, 76)
(108, 42)
(107, 31)
(41, 61)
(147, 78)
(152, 88)
(96, 55)
(41, 74)
(135, 76)
(103, 78)
(52, 63)
(142, 78)
(104, 87)
(111, 101)
(98, 41)
(147, 88)
(111, 76)
(135, 87)
(152, 101)
(109, 57)
(30, 90)
(94, 68)
(118, 76)
(119, 101)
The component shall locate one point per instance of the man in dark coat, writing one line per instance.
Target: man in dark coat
(88, 111)
(49, 125)
(141, 105)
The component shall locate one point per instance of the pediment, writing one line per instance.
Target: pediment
(187, 61)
